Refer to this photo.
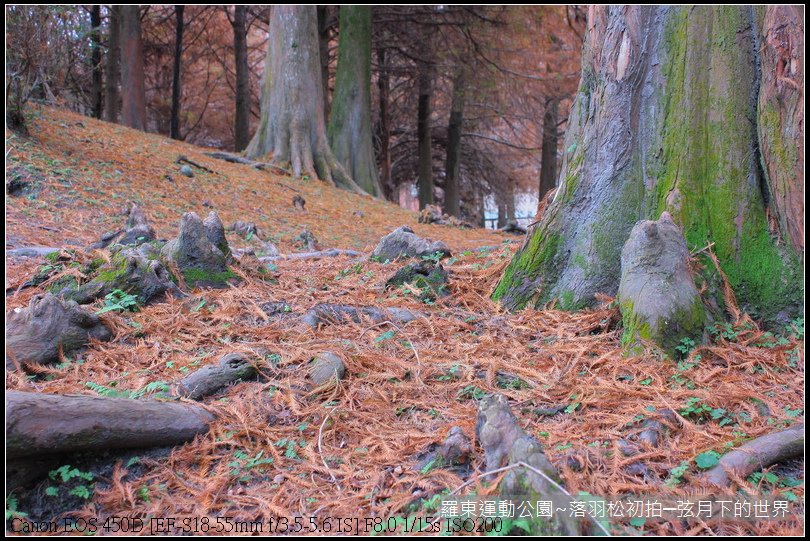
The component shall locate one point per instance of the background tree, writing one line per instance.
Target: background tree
(97, 92)
(133, 107)
(349, 130)
(112, 67)
(174, 129)
(292, 126)
(242, 117)
(455, 126)
(664, 121)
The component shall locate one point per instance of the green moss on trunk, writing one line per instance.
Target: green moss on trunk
(533, 265)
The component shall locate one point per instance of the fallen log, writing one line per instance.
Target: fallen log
(43, 424)
(325, 314)
(261, 166)
(31, 251)
(757, 454)
(182, 159)
(209, 379)
(332, 252)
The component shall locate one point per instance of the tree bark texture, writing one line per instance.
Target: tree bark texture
(425, 143)
(174, 122)
(350, 120)
(664, 120)
(454, 127)
(780, 115)
(38, 423)
(97, 93)
(548, 156)
(292, 125)
(242, 121)
(383, 128)
(324, 24)
(758, 454)
(133, 90)
(112, 69)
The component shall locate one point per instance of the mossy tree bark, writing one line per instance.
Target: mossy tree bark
(292, 126)
(780, 115)
(350, 119)
(665, 119)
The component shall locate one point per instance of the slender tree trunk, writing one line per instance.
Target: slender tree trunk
(292, 125)
(423, 135)
(455, 124)
(665, 120)
(97, 92)
(548, 157)
(324, 22)
(384, 125)
(176, 82)
(242, 121)
(501, 211)
(133, 95)
(113, 66)
(350, 123)
(510, 203)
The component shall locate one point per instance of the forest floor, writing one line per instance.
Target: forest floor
(349, 450)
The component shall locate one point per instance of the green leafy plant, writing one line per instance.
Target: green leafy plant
(699, 411)
(676, 474)
(471, 392)
(159, 388)
(291, 446)
(11, 508)
(243, 463)
(707, 459)
(77, 480)
(119, 301)
(435, 257)
(683, 367)
(686, 345)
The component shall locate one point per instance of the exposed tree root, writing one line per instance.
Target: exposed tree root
(757, 454)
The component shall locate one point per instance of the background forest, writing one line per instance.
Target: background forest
(501, 79)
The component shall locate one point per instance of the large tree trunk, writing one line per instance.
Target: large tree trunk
(451, 192)
(133, 90)
(384, 126)
(174, 122)
(292, 125)
(548, 156)
(425, 143)
(780, 115)
(664, 120)
(350, 120)
(97, 91)
(241, 129)
(112, 70)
